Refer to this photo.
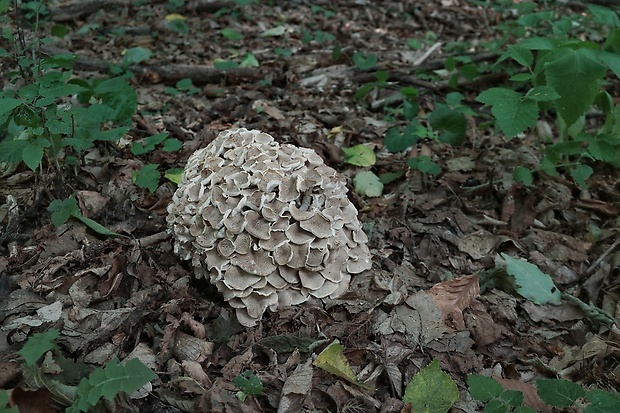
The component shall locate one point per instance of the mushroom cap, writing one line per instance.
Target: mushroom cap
(269, 225)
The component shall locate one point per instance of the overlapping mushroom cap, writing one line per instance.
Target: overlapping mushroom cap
(270, 225)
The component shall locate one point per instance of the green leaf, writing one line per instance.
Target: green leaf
(423, 163)
(4, 403)
(63, 209)
(109, 381)
(360, 155)
(178, 26)
(174, 175)
(580, 173)
(512, 398)
(603, 15)
(531, 282)
(513, 113)
(483, 388)
(231, 34)
(523, 175)
(521, 77)
(95, 226)
(364, 61)
(37, 345)
(431, 390)
(32, 155)
(525, 409)
(12, 150)
(559, 393)
(136, 55)
(496, 406)
(249, 383)
(7, 105)
(575, 76)
(542, 94)
(538, 43)
(148, 144)
(521, 55)
(602, 402)
(249, 60)
(450, 124)
(612, 60)
(274, 31)
(389, 177)
(147, 177)
(333, 360)
(368, 184)
(118, 95)
(225, 64)
(171, 145)
(395, 141)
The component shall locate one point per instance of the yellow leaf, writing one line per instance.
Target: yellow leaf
(333, 361)
(175, 16)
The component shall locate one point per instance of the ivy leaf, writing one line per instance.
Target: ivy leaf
(360, 155)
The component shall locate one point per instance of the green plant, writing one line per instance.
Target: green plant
(566, 78)
(553, 392)
(107, 381)
(50, 112)
(249, 384)
(5, 403)
(62, 210)
(431, 390)
(148, 176)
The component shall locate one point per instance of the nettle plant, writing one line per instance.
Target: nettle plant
(565, 78)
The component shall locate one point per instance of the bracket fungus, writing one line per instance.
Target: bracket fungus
(269, 225)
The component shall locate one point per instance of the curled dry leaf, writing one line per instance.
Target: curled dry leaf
(453, 296)
(269, 225)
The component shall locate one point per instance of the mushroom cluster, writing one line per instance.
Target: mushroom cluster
(270, 225)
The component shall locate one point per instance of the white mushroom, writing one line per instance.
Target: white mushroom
(269, 225)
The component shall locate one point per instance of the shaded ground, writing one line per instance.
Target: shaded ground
(115, 297)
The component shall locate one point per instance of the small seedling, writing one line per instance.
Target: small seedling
(249, 384)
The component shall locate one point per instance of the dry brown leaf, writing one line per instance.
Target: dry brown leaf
(453, 296)
(530, 395)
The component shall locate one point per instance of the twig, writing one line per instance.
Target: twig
(600, 259)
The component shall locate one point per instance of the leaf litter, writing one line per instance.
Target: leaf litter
(423, 305)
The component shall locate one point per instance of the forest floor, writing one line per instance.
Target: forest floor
(132, 297)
